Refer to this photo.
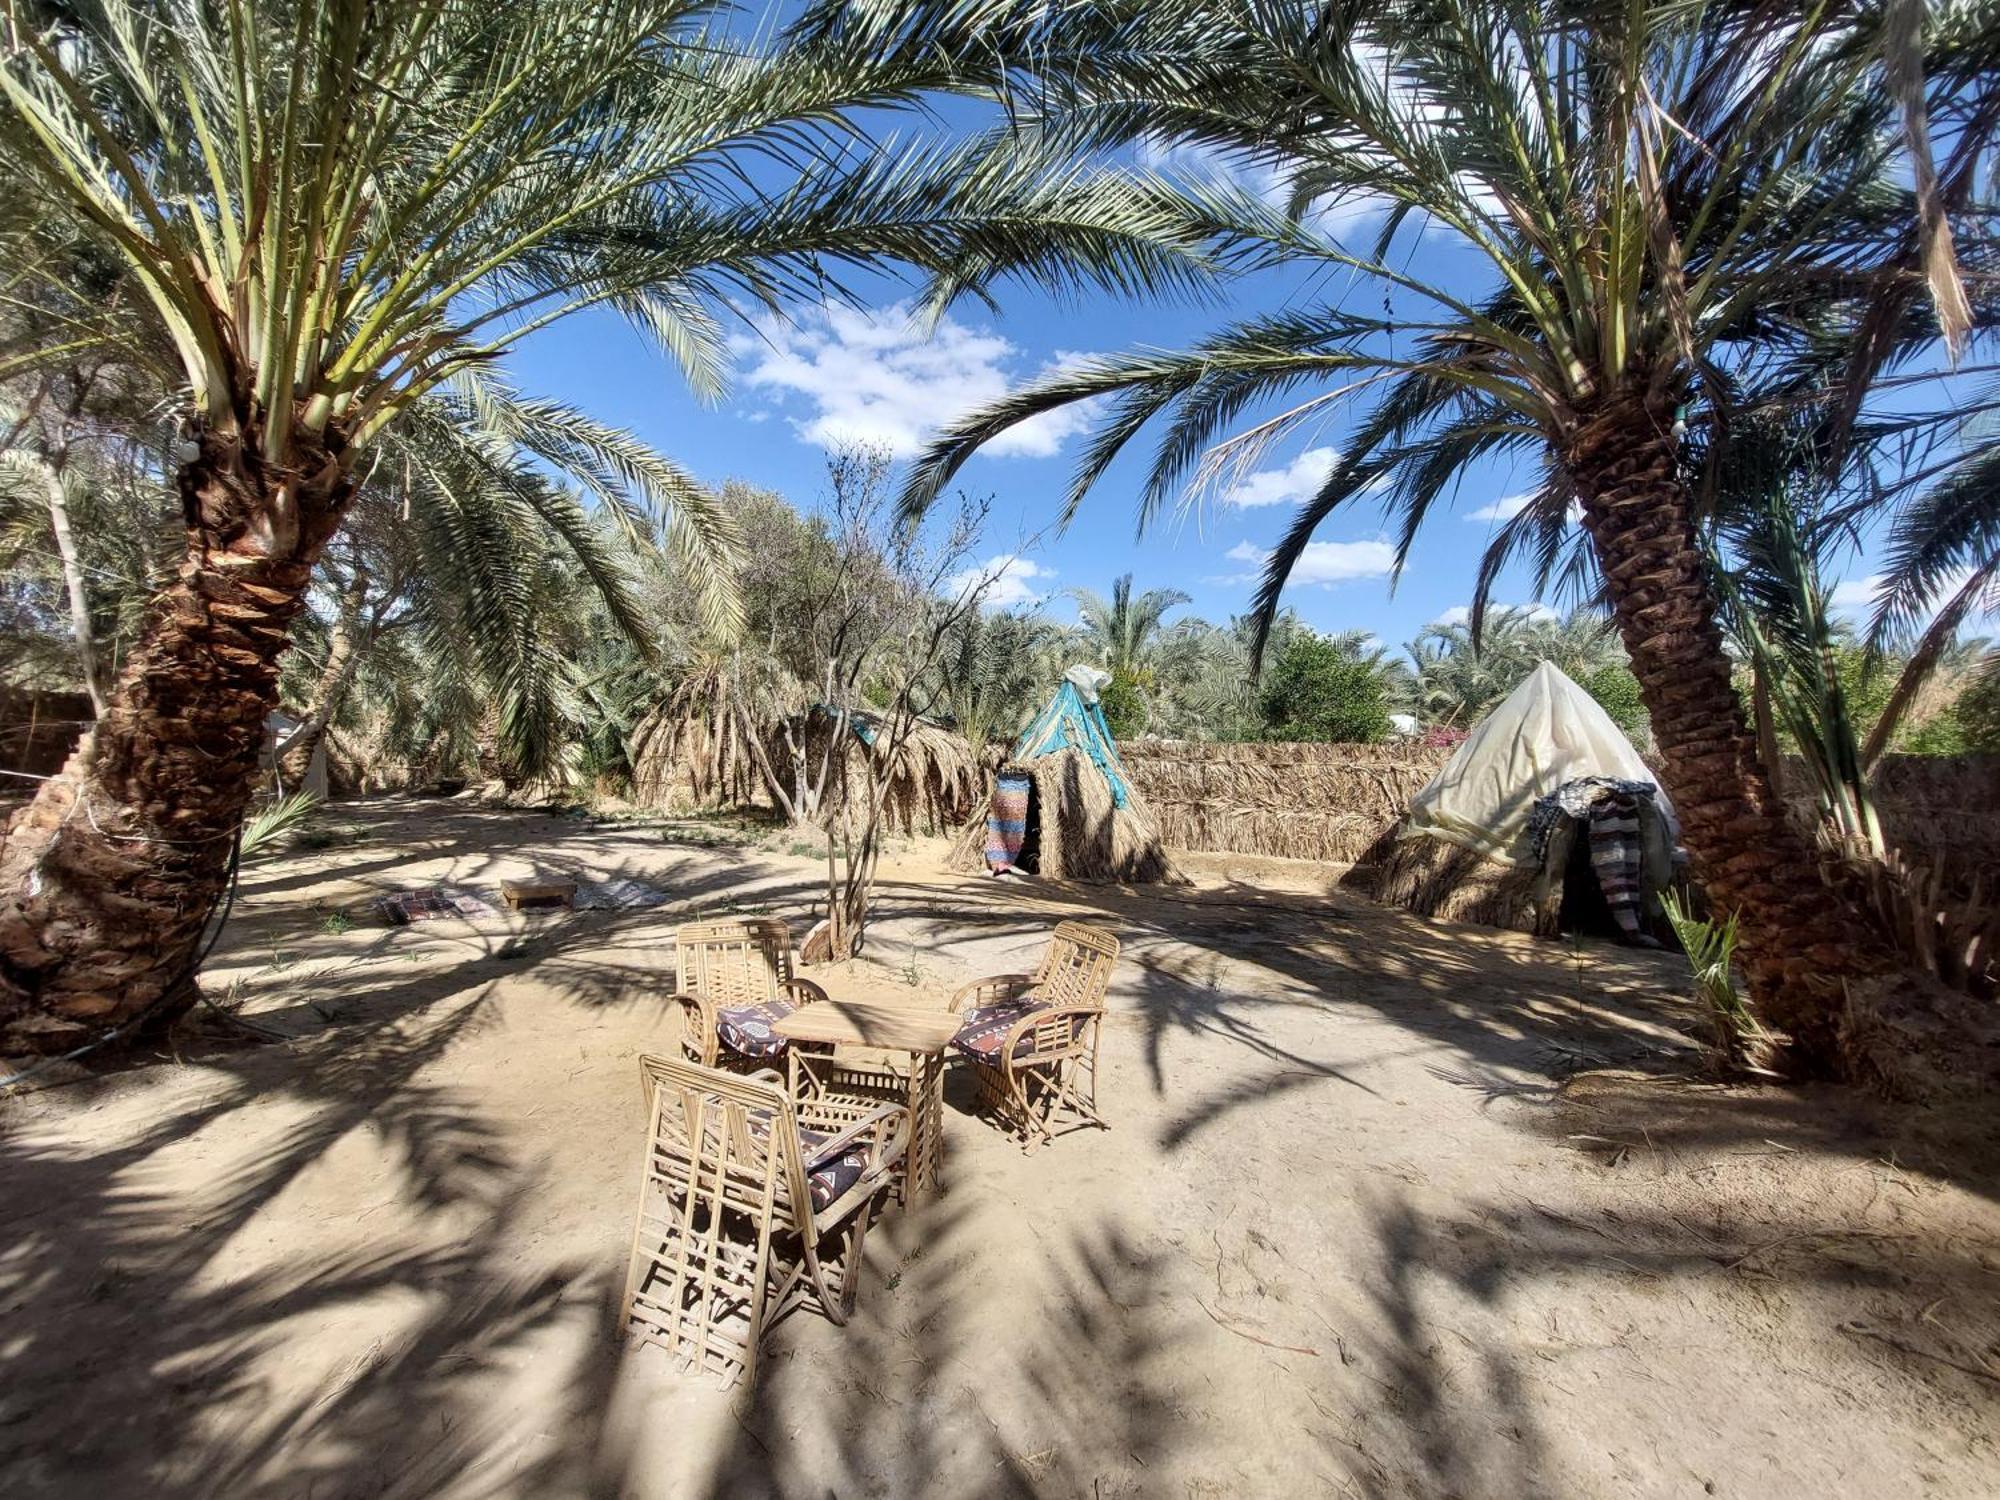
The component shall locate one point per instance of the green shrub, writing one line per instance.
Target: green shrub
(1124, 705)
(1617, 693)
(1318, 690)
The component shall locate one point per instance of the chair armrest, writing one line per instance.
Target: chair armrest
(869, 1124)
(804, 991)
(995, 989)
(698, 1016)
(1071, 1036)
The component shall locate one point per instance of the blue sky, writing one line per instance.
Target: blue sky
(873, 375)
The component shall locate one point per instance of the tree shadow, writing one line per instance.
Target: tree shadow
(145, 1302)
(1506, 1348)
(963, 1376)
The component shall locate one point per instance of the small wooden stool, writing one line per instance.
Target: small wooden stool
(526, 893)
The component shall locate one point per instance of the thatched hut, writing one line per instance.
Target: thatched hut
(1517, 829)
(934, 778)
(709, 746)
(1062, 804)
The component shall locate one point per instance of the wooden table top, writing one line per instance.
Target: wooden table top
(871, 1023)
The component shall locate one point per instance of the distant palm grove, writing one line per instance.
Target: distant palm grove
(1731, 299)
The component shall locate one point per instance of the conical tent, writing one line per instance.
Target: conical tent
(1074, 720)
(1062, 805)
(1546, 732)
(1473, 847)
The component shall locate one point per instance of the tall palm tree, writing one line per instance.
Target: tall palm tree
(336, 208)
(1658, 191)
(1123, 633)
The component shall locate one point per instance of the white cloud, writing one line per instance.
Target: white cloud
(1004, 582)
(1324, 563)
(1504, 509)
(875, 376)
(1298, 480)
(1461, 614)
(1204, 164)
(1856, 596)
(1509, 506)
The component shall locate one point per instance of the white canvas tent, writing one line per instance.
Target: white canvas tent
(1465, 851)
(1546, 732)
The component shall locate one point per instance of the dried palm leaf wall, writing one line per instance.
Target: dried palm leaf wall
(1937, 808)
(1335, 803)
(1319, 802)
(1436, 879)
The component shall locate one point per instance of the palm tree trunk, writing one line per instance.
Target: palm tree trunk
(1799, 940)
(72, 570)
(350, 638)
(108, 876)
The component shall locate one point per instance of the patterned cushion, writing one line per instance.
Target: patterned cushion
(746, 1029)
(431, 903)
(827, 1180)
(985, 1027)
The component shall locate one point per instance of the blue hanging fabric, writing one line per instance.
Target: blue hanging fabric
(1069, 723)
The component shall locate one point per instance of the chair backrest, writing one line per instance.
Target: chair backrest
(744, 961)
(721, 1141)
(1076, 970)
(722, 1177)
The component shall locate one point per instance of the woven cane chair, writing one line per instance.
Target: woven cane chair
(737, 981)
(742, 1194)
(1031, 1039)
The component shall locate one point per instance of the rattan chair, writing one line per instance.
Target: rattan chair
(740, 1194)
(736, 978)
(1031, 1039)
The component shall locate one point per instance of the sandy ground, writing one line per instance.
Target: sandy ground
(1389, 1208)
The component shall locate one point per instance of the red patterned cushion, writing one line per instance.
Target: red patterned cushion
(746, 1029)
(985, 1027)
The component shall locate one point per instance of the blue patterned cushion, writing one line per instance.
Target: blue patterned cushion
(746, 1029)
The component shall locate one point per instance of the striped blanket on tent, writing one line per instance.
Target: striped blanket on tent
(1608, 808)
(1007, 819)
(1616, 856)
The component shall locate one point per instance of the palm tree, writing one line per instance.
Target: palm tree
(1462, 673)
(1123, 634)
(487, 561)
(1660, 192)
(338, 208)
(998, 668)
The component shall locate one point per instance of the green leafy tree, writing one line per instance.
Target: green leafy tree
(1321, 688)
(1124, 705)
(1616, 691)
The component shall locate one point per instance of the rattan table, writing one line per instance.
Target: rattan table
(917, 1031)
